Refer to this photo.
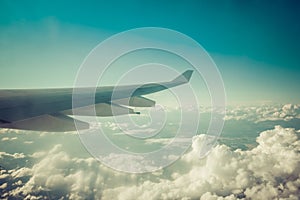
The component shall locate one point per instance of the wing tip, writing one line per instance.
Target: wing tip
(184, 77)
(188, 74)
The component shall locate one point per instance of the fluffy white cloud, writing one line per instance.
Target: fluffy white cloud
(58, 175)
(270, 170)
(56, 172)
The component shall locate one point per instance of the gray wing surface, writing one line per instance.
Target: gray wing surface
(48, 109)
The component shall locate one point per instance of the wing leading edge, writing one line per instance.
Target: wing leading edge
(48, 109)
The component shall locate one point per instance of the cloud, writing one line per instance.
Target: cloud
(3, 175)
(270, 170)
(285, 112)
(3, 186)
(4, 155)
(8, 131)
(58, 175)
(9, 139)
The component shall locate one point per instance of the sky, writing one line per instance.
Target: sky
(256, 47)
(255, 44)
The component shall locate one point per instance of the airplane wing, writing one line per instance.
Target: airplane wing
(49, 109)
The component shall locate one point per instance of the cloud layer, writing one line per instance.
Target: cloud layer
(271, 169)
(264, 113)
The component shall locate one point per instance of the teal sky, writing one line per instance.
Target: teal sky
(255, 44)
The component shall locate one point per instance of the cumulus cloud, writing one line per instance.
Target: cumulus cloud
(54, 173)
(270, 170)
(58, 175)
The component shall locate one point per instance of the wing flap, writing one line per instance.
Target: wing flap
(101, 110)
(136, 101)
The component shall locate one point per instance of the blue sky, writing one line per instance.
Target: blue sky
(255, 44)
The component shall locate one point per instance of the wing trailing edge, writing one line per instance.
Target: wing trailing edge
(136, 101)
(101, 110)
